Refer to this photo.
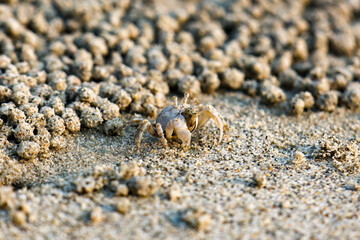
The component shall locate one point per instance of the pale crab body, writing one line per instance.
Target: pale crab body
(179, 121)
(174, 124)
(169, 113)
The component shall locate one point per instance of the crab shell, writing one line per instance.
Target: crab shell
(175, 123)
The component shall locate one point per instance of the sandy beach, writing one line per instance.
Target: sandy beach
(301, 200)
(284, 76)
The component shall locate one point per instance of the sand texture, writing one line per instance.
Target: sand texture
(283, 75)
(302, 199)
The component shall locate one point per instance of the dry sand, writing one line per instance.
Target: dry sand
(217, 195)
(276, 176)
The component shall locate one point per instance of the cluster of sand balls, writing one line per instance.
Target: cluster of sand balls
(128, 180)
(71, 64)
(343, 155)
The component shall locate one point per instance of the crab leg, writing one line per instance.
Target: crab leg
(135, 121)
(140, 132)
(160, 134)
(181, 131)
(210, 112)
(145, 125)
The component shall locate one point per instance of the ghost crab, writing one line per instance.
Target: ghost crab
(179, 121)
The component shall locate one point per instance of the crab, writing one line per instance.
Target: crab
(179, 121)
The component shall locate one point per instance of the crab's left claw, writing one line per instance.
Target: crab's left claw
(210, 112)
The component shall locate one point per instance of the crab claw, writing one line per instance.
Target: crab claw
(210, 112)
(179, 128)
